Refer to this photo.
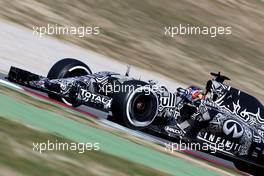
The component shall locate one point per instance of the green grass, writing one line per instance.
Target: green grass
(18, 157)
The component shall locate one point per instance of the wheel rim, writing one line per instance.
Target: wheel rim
(141, 107)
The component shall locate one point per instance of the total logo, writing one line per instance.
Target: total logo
(233, 129)
(90, 97)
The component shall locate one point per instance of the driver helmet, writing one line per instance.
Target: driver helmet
(196, 94)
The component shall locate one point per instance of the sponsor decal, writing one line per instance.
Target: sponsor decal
(233, 129)
(168, 101)
(213, 139)
(87, 96)
(171, 129)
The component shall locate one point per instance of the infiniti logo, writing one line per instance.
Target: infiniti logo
(233, 128)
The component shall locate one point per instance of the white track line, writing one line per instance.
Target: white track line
(10, 84)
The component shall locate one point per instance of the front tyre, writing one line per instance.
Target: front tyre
(136, 105)
(66, 68)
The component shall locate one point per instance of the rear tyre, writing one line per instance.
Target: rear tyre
(136, 105)
(66, 68)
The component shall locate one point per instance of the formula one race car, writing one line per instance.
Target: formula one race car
(220, 115)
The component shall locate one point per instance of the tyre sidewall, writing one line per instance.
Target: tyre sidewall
(121, 104)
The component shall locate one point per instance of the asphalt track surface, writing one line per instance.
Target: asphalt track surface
(102, 117)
